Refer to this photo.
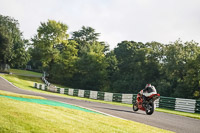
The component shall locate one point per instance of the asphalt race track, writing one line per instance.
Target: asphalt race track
(166, 121)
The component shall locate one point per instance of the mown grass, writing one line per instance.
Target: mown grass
(192, 115)
(25, 72)
(26, 82)
(18, 116)
(5, 93)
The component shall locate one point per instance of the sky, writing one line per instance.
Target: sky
(144, 21)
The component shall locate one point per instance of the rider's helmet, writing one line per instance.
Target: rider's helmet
(149, 88)
(147, 85)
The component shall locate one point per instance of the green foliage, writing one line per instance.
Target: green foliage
(182, 68)
(91, 67)
(5, 48)
(79, 62)
(84, 62)
(64, 68)
(20, 55)
(138, 64)
(54, 52)
(87, 35)
(50, 39)
(35, 61)
(12, 45)
(173, 69)
(111, 69)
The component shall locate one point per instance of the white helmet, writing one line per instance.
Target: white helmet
(147, 85)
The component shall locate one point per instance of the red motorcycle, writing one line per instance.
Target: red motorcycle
(147, 104)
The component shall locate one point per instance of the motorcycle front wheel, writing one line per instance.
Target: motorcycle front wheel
(150, 108)
(135, 107)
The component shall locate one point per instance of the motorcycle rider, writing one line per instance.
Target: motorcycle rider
(146, 99)
(147, 91)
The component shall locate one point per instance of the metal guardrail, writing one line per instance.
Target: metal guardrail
(178, 104)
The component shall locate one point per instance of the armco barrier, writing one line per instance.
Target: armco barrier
(45, 81)
(38, 86)
(62, 90)
(75, 93)
(81, 93)
(167, 102)
(66, 91)
(71, 92)
(197, 109)
(93, 94)
(87, 93)
(186, 105)
(117, 97)
(178, 104)
(157, 103)
(35, 85)
(127, 98)
(58, 90)
(108, 96)
(100, 95)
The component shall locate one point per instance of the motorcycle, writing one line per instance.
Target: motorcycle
(146, 103)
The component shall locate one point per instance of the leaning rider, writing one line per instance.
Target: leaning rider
(148, 89)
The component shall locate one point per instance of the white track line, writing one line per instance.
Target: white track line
(9, 82)
(92, 110)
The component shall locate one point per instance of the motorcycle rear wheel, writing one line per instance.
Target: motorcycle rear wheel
(150, 109)
(135, 108)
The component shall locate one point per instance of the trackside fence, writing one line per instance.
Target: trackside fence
(178, 104)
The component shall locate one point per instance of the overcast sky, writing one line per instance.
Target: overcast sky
(117, 20)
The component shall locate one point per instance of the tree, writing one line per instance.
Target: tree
(35, 61)
(91, 65)
(137, 64)
(5, 49)
(50, 38)
(87, 35)
(181, 67)
(55, 52)
(91, 68)
(20, 55)
(12, 42)
(130, 59)
(64, 68)
(112, 69)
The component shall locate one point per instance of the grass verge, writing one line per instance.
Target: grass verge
(18, 116)
(25, 72)
(192, 115)
(5, 93)
(28, 82)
